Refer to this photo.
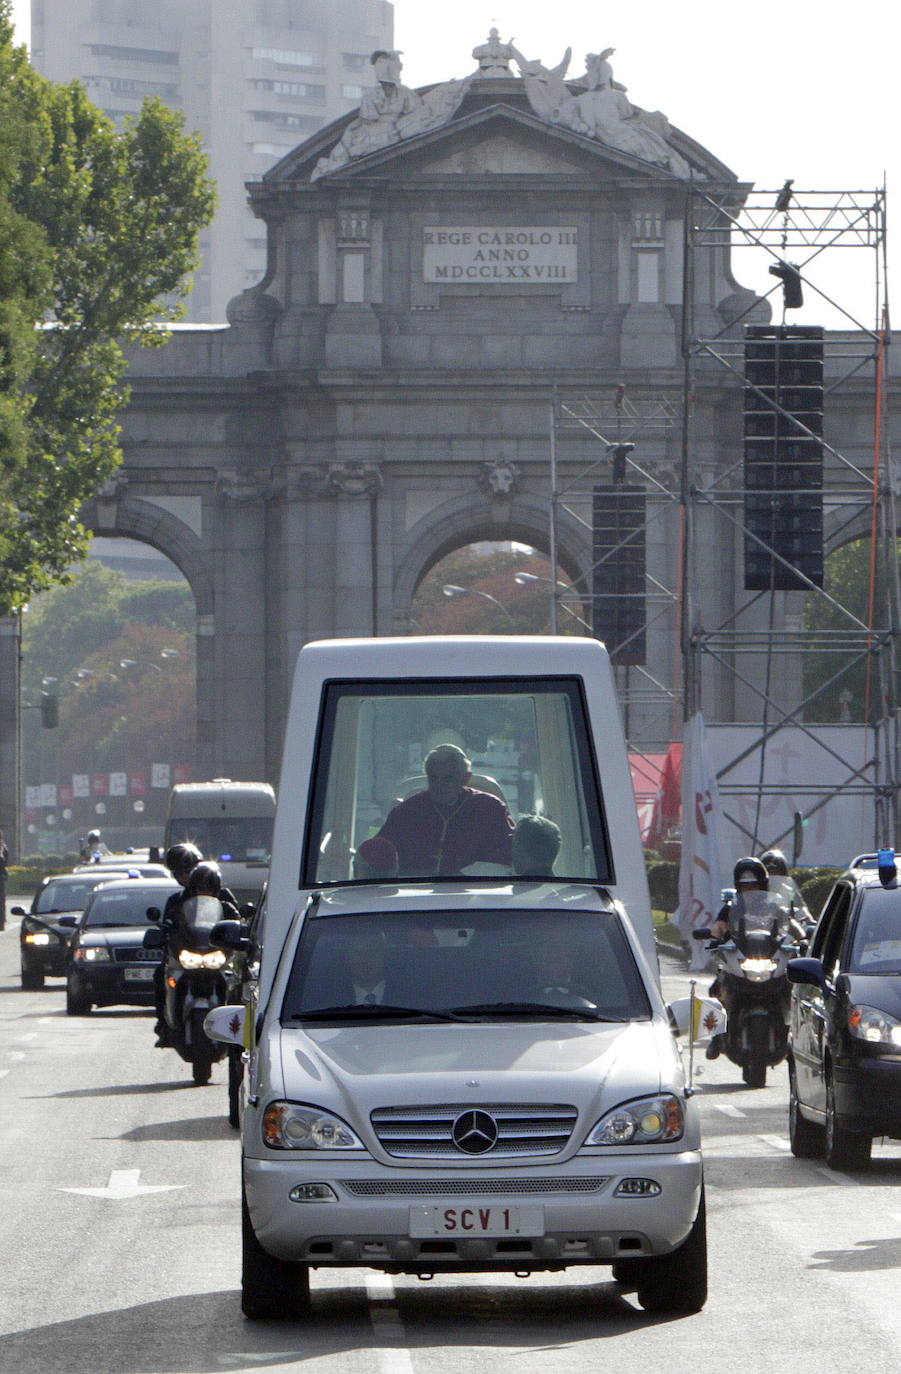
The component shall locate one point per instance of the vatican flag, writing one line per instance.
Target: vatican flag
(700, 1018)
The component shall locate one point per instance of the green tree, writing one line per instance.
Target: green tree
(98, 230)
(847, 580)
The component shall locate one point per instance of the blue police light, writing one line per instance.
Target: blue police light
(885, 862)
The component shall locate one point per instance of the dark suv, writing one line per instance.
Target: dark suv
(845, 1028)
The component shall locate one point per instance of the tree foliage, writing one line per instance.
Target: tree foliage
(486, 572)
(98, 229)
(847, 581)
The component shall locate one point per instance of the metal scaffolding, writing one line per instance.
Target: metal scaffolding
(763, 652)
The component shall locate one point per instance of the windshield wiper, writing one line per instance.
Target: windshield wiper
(369, 1012)
(548, 1010)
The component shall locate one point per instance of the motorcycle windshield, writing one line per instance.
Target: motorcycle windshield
(198, 916)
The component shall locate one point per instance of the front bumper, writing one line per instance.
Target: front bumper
(47, 959)
(868, 1095)
(109, 985)
(370, 1224)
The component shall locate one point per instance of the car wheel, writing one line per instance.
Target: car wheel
(844, 1149)
(201, 1050)
(805, 1137)
(677, 1282)
(77, 1003)
(270, 1288)
(235, 1076)
(758, 1052)
(32, 979)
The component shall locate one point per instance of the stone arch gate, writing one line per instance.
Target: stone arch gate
(436, 279)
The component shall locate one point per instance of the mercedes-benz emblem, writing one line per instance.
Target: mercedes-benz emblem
(475, 1133)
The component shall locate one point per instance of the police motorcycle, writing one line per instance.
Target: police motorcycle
(751, 979)
(194, 979)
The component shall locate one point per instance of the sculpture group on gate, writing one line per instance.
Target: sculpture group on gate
(595, 106)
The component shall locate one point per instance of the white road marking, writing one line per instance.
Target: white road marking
(836, 1176)
(32, 1036)
(778, 1142)
(729, 1109)
(3, 1073)
(16, 1056)
(123, 1183)
(390, 1350)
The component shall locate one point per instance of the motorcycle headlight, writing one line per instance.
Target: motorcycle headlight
(92, 954)
(646, 1121)
(290, 1126)
(189, 958)
(758, 970)
(215, 959)
(876, 1027)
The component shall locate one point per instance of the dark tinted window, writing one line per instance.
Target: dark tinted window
(474, 958)
(125, 908)
(876, 944)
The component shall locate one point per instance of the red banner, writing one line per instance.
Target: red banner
(100, 785)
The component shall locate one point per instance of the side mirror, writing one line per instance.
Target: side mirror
(153, 938)
(248, 910)
(70, 921)
(17, 911)
(153, 854)
(229, 935)
(153, 913)
(806, 971)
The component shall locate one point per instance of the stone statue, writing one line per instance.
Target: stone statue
(545, 86)
(494, 56)
(390, 112)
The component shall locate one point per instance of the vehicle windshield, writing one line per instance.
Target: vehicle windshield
(227, 839)
(876, 945)
(69, 896)
(483, 963)
(125, 908)
(437, 779)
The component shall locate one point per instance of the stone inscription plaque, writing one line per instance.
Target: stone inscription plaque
(505, 256)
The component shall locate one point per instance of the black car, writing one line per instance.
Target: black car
(108, 964)
(48, 926)
(845, 1028)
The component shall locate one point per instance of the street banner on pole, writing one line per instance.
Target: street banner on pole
(703, 869)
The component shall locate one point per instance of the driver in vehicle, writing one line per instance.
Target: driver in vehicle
(439, 831)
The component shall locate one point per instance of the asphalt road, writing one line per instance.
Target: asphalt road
(805, 1262)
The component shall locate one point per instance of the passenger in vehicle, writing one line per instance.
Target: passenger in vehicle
(439, 831)
(535, 845)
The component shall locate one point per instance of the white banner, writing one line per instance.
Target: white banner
(32, 798)
(703, 871)
(159, 775)
(81, 785)
(48, 794)
(118, 784)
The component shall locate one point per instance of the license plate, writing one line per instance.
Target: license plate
(139, 975)
(474, 1220)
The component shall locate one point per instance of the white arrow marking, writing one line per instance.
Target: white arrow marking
(123, 1183)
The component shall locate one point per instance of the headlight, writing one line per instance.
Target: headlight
(289, 1126)
(758, 970)
(92, 954)
(646, 1121)
(37, 938)
(876, 1027)
(188, 958)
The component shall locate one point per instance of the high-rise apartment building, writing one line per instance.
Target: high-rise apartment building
(253, 77)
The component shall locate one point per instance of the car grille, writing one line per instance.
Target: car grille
(131, 955)
(427, 1132)
(477, 1187)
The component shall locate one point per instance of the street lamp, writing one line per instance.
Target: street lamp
(451, 591)
(139, 662)
(522, 579)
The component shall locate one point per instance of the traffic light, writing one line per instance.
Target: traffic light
(49, 710)
(783, 457)
(618, 579)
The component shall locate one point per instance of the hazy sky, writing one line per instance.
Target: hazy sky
(798, 88)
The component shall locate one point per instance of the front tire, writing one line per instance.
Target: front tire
(844, 1149)
(77, 1004)
(758, 1052)
(805, 1137)
(32, 979)
(271, 1289)
(201, 1051)
(678, 1282)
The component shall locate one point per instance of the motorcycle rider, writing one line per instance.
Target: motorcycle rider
(751, 882)
(784, 887)
(181, 860)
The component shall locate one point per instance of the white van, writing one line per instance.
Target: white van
(468, 1066)
(230, 822)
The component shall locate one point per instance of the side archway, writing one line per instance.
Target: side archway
(131, 518)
